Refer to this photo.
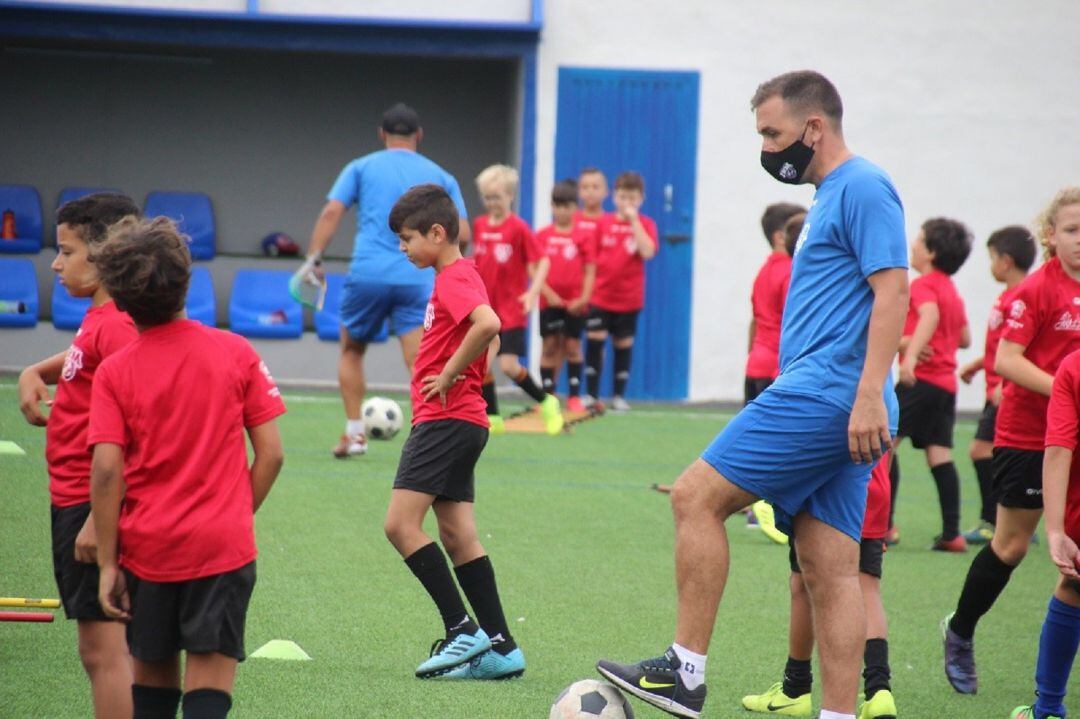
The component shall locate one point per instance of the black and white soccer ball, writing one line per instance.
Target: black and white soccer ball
(382, 417)
(591, 699)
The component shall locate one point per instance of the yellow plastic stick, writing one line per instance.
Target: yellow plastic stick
(24, 602)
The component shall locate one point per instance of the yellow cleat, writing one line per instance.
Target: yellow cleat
(767, 522)
(776, 702)
(551, 411)
(497, 424)
(881, 706)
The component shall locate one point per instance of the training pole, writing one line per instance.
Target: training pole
(25, 617)
(24, 602)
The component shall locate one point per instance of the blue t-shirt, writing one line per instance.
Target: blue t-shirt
(855, 228)
(375, 182)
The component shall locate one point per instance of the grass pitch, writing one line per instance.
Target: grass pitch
(583, 553)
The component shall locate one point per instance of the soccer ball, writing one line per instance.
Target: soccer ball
(591, 699)
(382, 417)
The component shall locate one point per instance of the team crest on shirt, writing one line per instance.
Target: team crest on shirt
(273, 391)
(503, 252)
(1017, 309)
(429, 316)
(569, 252)
(73, 362)
(1067, 323)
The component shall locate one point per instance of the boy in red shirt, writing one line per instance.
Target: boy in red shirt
(1042, 327)
(173, 497)
(81, 227)
(564, 298)
(507, 257)
(791, 697)
(627, 239)
(592, 190)
(936, 326)
(1012, 252)
(450, 429)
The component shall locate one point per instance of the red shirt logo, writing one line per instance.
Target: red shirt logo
(1017, 309)
(73, 362)
(429, 316)
(503, 252)
(1067, 323)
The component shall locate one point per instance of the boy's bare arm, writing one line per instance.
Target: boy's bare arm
(1057, 463)
(929, 317)
(538, 272)
(106, 494)
(965, 337)
(972, 368)
(33, 387)
(485, 327)
(269, 458)
(1011, 364)
(645, 246)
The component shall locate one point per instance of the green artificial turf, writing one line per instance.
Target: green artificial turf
(583, 554)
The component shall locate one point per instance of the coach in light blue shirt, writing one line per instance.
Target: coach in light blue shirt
(382, 285)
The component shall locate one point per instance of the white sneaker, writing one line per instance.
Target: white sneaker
(350, 446)
(587, 401)
(618, 404)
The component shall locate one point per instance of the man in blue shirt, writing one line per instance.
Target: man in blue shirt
(808, 442)
(382, 285)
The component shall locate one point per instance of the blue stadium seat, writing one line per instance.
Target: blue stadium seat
(328, 320)
(74, 193)
(260, 305)
(201, 305)
(25, 202)
(67, 311)
(194, 215)
(18, 293)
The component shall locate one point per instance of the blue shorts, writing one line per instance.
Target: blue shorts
(367, 304)
(792, 451)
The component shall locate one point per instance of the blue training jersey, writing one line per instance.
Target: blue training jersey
(855, 228)
(375, 182)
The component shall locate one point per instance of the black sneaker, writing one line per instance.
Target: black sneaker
(657, 682)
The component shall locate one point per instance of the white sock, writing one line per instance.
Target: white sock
(826, 714)
(354, 427)
(692, 669)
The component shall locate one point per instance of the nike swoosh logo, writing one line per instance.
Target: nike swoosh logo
(646, 684)
(774, 707)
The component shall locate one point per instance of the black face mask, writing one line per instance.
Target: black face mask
(789, 165)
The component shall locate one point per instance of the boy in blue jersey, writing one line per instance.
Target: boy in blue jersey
(382, 286)
(832, 404)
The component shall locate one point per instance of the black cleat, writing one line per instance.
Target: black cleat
(657, 682)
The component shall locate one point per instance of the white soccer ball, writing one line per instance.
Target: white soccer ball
(591, 699)
(382, 417)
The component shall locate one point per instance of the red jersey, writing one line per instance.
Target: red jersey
(1043, 315)
(1062, 428)
(568, 252)
(503, 253)
(177, 400)
(103, 331)
(767, 299)
(878, 498)
(458, 291)
(994, 327)
(937, 287)
(590, 225)
(620, 270)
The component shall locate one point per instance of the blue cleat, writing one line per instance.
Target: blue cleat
(959, 660)
(447, 654)
(491, 666)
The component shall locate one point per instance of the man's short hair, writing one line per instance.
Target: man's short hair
(792, 230)
(949, 240)
(422, 207)
(630, 180)
(145, 266)
(400, 120)
(1014, 241)
(92, 215)
(564, 193)
(804, 91)
(776, 216)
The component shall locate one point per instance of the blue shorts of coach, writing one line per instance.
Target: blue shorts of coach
(367, 304)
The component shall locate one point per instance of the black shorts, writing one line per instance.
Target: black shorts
(557, 321)
(512, 342)
(987, 422)
(1018, 477)
(76, 581)
(199, 616)
(753, 386)
(927, 414)
(619, 324)
(871, 552)
(439, 458)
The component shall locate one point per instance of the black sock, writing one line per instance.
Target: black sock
(894, 487)
(948, 488)
(487, 391)
(429, 565)
(876, 673)
(984, 470)
(573, 378)
(154, 702)
(525, 381)
(594, 364)
(798, 679)
(547, 379)
(622, 369)
(206, 704)
(986, 578)
(477, 580)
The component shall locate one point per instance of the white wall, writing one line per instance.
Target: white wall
(972, 107)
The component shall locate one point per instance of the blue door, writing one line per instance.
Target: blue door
(644, 121)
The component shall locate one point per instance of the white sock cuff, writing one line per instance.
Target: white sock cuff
(354, 426)
(826, 714)
(685, 655)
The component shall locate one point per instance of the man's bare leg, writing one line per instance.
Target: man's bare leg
(351, 380)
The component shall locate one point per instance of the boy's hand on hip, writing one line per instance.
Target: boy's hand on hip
(439, 384)
(113, 594)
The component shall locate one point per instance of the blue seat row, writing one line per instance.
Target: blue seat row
(22, 231)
